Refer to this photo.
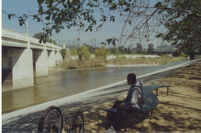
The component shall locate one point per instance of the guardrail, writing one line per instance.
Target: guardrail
(9, 36)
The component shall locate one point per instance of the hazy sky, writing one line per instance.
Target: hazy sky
(66, 36)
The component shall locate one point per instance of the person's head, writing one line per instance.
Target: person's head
(131, 78)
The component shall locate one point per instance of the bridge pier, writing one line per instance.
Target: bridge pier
(58, 57)
(23, 57)
(51, 59)
(40, 62)
(22, 71)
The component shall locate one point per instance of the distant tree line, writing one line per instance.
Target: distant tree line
(103, 51)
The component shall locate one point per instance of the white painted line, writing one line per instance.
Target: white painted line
(77, 97)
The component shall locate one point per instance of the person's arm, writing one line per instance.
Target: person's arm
(135, 98)
(126, 100)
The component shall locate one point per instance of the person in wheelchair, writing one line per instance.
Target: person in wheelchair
(133, 103)
(134, 100)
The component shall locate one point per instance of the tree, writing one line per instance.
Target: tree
(91, 48)
(114, 50)
(63, 53)
(183, 26)
(101, 52)
(92, 14)
(139, 47)
(39, 34)
(88, 14)
(150, 49)
(83, 53)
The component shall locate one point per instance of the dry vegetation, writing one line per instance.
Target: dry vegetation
(84, 64)
(120, 60)
(142, 60)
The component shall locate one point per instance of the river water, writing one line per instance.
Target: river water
(66, 83)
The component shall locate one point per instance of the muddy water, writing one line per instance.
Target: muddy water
(65, 83)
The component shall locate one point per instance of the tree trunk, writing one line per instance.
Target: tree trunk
(80, 57)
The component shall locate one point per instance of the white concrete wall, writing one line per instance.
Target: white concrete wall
(22, 68)
(131, 56)
(42, 63)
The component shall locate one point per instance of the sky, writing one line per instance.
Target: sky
(66, 36)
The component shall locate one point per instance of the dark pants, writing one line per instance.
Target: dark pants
(117, 118)
(126, 109)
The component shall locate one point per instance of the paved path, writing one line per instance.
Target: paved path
(28, 123)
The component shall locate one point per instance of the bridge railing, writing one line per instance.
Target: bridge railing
(13, 35)
(23, 37)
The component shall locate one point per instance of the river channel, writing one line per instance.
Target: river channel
(65, 83)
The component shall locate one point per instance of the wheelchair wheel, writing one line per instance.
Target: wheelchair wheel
(78, 123)
(51, 121)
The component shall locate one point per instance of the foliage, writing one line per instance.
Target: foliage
(83, 53)
(70, 13)
(101, 52)
(112, 41)
(92, 14)
(121, 50)
(88, 15)
(183, 24)
(63, 53)
(74, 51)
(40, 34)
(91, 48)
(114, 50)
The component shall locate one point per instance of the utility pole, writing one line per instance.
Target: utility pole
(92, 42)
(95, 42)
(69, 44)
(27, 31)
(78, 39)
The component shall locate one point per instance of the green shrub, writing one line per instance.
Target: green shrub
(84, 53)
(74, 51)
(101, 52)
(63, 53)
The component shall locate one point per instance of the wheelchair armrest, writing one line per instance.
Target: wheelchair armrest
(111, 110)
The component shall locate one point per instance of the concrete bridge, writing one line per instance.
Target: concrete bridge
(24, 58)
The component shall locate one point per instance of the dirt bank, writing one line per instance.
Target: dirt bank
(180, 111)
